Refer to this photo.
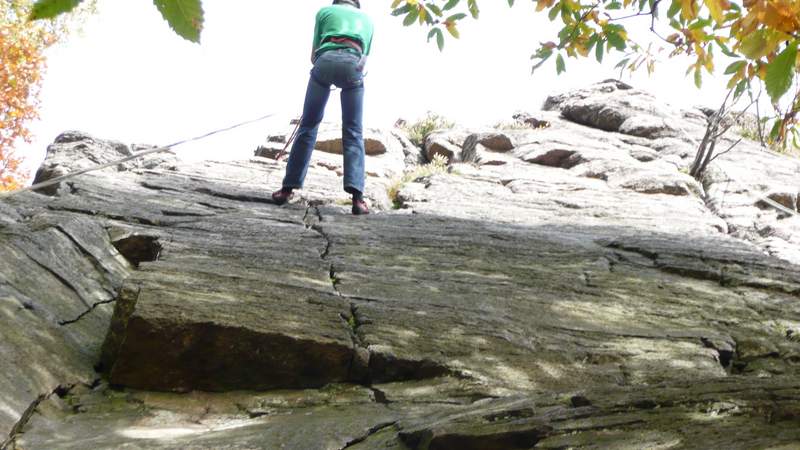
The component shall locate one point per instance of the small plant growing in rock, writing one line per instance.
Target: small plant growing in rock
(437, 166)
(419, 130)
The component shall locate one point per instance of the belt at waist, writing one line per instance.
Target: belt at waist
(352, 43)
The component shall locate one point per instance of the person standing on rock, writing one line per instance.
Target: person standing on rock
(342, 41)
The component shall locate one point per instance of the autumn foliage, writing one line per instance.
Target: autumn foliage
(21, 67)
(761, 35)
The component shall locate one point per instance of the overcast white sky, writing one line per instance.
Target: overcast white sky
(128, 77)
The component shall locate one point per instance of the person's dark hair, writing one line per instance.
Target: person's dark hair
(355, 3)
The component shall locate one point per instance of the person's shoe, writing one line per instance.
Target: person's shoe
(280, 197)
(360, 208)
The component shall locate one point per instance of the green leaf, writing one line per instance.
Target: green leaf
(726, 51)
(185, 17)
(560, 66)
(450, 5)
(734, 67)
(401, 10)
(598, 52)
(698, 78)
(553, 13)
(48, 9)
(435, 9)
(740, 87)
(780, 73)
(542, 55)
(616, 41)
(510, 2)
(776, 129)
(591, 42)
(473, 8)
(431, 33)
(622, 63)
(437, 32)
(411, 17)
(674, 8)
(440, 39)
(754, 44)
(699, 24)
(456, 17)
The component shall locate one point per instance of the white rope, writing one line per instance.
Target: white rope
(755, 197)
(167, 148)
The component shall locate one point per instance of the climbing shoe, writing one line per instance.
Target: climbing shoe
(282, 196)
(360, 207)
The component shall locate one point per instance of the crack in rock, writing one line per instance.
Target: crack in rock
(726, 351)
(87, 312)
(368, 367)
(374, 430)
(10, 443)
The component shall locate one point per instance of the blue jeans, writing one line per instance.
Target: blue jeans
(342, 68)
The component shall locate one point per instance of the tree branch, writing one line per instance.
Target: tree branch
(726, 151)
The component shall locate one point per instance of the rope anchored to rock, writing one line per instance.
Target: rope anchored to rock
(166, 148)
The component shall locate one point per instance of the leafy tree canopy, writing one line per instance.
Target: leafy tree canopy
(22, 65)
(762, 35)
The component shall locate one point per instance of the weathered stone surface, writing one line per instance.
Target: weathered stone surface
(487, 148)
(585, 293)
(727, 414)
(58, 272)
(436, 144)
(494, 141)
(376, 142)
(331, 418)
(616, 106)
(388, 152)
(413, 155)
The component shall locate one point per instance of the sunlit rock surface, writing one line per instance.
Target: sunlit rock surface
(562, 286)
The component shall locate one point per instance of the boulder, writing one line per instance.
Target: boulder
(437, 144)
(615, 106)
(329, 139)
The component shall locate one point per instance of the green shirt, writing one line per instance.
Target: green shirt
(342, 21)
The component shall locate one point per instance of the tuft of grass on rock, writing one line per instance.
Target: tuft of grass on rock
(419, 130)
(437, 166)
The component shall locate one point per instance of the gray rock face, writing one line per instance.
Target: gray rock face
(437, 144)
(388, 152)
(615, 106)
(585, 293)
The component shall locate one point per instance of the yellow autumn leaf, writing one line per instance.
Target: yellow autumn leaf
(688, 9)
(542, 4)
(717, 8)
(782, 16)
(451, 28)
(762, 71)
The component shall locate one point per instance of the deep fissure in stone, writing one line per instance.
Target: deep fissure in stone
(139, 248)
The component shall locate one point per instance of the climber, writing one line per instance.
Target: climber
(342, 40)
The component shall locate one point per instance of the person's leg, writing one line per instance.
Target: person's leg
(313, 110)
(353, 138)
